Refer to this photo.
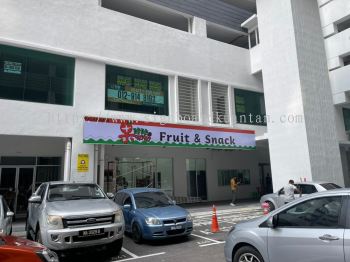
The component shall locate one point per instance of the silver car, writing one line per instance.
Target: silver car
(64, 216)
(6, 216)
(277, 199)
(312, 228)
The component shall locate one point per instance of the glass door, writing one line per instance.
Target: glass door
(196, 178)
(8, 185)
(25, 183)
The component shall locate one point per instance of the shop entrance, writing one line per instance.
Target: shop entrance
(196, 178)
(17, 185)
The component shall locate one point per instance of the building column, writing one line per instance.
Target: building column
(67, 159)
(101, 176)
(199, 26)
(96, 163)
(301, 127)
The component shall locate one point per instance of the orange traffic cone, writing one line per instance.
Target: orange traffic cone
(214, 222)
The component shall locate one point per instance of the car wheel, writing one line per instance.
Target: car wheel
(136, 233)
(247, 254)
(38, 236)
(115, 247)
(271, 206)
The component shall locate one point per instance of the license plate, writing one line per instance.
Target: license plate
(175, 227)
(91, 232)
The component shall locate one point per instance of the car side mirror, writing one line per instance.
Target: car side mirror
(127, 207)
(35, 199)
(110, 195)
(10, 214)
(272, 221)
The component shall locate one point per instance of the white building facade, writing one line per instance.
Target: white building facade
(64, 63)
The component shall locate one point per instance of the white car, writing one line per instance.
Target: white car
(277, 199)
(6, 216)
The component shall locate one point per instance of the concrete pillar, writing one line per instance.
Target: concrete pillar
(301, 130)
(96, 163)
(101, 176)
(199, 26)
(78, 148)
(67, 159)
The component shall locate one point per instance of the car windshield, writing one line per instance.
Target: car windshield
(152, 199)
(330, 186)
(74, 192)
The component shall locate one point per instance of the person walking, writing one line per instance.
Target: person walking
(289, 191)
(234, 185)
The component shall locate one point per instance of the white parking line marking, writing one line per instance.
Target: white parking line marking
(205, 245)
(134, 256)
(206, 238)
(129, 253)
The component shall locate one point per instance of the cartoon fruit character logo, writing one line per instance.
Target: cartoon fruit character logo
(130, 134)
(126, 136)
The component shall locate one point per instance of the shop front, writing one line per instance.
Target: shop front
(188, 162)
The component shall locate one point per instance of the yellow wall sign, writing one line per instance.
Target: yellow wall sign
(83, 163)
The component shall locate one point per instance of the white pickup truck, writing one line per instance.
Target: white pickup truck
(64, 216)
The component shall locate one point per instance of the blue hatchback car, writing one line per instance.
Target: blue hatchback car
(150, 214)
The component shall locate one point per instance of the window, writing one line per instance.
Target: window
(330, 186)
(152, 199)
(219, 97)
(143, 172)
(281, 191)
(343, 25)
(346, 60)
(127, 201)
(250, 107)
(315, 213)
(346, 115)
(136, 91)
(33, 76)
(65, 192)
(119, 198)
(225, 176)
(17, 160)
(307, 189)
(188, 99)
(254, 38)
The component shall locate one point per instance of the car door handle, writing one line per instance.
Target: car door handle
(328, 237)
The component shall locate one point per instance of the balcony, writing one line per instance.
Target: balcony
(340, 79)
(337, 46)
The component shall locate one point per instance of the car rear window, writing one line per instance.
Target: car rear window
(330, 186)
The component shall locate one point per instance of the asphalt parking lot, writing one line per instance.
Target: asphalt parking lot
(201, 246)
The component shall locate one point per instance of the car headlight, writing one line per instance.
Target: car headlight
(153, 221)
(47, 255)
(118, 216)
(55, 221)
(189, 218)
